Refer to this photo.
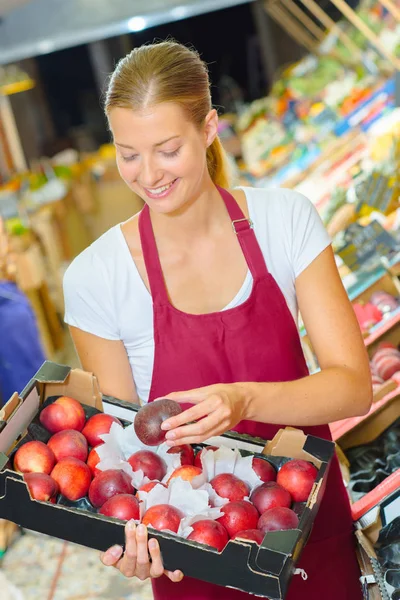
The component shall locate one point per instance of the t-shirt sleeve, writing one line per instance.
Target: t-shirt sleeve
(87, 297)
(308, 234)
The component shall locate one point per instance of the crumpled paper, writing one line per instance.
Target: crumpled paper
(119, 445)
(193, 498)
(227, 460)
(194, 503)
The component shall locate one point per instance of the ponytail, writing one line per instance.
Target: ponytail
(217, 164)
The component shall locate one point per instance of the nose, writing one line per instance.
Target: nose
(149, 175)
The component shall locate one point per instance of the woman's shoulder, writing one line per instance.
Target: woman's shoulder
(94, 260)
(275, 199)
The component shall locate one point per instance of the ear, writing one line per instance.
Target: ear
(211, 127)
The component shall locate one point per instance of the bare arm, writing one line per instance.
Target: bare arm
(108, 360)
(343, 386)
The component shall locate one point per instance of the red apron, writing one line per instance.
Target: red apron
(255, 341)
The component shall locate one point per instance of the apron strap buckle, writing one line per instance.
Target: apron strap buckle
(249, 222)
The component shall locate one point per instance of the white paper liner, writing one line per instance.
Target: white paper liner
(193, 498)
(227, 460)
(119, 445)
(193, 503)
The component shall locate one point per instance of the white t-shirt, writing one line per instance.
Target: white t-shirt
(105, 295)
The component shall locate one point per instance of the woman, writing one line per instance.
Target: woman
(196, 298)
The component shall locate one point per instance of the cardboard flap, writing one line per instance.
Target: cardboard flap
(290, 442)
(80, 385)
(51, 372)
(314, 494)
(365, 544)
(11, 406)
(373, 525)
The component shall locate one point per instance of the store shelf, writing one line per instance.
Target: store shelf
(382, 328)
(340, 428)
(383, 490)
(16, 88)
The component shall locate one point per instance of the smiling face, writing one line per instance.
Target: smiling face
(161, 155)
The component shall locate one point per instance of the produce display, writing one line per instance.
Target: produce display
(380, 306)
(385, 364)
(93, 461)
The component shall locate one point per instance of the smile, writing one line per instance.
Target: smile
(160, 191)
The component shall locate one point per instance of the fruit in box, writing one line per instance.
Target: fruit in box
(149, 418)
(269, 495)
(34, 457)
(197, 458)
(263, 469)
(238, 516)
(121, 506)
(152, 465)
(163, 516)
(187, 473)
(186, 451)
(108, 484)
(69, 444)
(210, 533)
(98, 425)
(64, 413)
(277, 519)
(250, 534)
(229, 486)
(93, 460)
(41, 486)
(297, 477)
(73, 477)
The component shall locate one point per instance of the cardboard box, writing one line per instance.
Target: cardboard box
(262, 570)
(378, 528)
(372, 578)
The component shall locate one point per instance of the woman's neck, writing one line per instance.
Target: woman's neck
(203, 215)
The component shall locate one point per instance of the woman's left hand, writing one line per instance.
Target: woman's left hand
(217, 408)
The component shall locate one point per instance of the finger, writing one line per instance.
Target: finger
(193, 396)
(111, 556)
(157, 567)
(142, 553)
(174, 576)
(199, 431)
(191, 414)
(128, 562)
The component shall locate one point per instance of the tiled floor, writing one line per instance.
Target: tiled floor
(44, 568)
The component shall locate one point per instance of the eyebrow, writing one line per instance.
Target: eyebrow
(156, 145)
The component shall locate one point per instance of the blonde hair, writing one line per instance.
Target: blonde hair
(168, 72)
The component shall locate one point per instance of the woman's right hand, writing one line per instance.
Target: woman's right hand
(134, 562)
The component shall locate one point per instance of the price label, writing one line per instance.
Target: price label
(362, 244)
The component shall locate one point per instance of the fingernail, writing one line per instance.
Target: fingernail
(170, 435)
(165, 425)
(170, 443)
(115, 551)
(141, 529)
(153, 544)
(131, 525)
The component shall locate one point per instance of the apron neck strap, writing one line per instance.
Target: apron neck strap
(242, 227)
(244, 230)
